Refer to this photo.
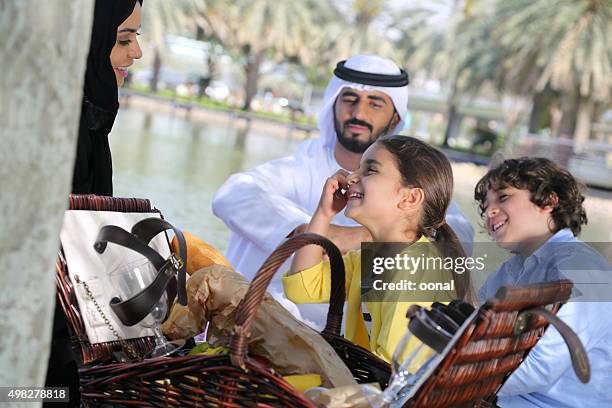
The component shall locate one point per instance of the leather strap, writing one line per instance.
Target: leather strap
(462, 307)
(147, 229)
(119, 236)
(580, 360)
(432, 327)
(133, 310)
(451, 311)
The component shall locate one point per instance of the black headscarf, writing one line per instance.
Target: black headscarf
(93, 165)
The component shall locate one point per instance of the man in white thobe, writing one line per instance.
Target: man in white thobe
(366, 98)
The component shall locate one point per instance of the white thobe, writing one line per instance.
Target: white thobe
(263, 205)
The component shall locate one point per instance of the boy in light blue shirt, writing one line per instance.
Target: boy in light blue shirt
(533, 208)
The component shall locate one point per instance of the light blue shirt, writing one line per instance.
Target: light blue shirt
(546, 377)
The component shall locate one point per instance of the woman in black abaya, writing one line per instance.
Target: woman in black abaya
(114, 47)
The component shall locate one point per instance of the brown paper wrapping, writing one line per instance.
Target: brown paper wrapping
(350, 396)
(182, 324)
(290, 346)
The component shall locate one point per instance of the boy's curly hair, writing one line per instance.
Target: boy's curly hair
(544, 180)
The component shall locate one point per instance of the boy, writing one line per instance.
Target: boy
(533, 208)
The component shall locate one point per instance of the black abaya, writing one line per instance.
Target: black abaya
(93, 165)
(93, 171)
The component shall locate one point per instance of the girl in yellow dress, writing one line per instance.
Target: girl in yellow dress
(400, 193)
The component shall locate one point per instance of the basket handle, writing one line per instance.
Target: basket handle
(94, 202)
(510, 298)
(247, 309)
(578, 354)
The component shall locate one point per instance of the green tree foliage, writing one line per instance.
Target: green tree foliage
(553, 51)
(256, 30)
(564, 46)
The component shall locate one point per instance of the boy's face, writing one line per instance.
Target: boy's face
(514, 222)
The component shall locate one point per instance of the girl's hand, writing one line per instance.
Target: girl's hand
(333, 199)
(331, 203)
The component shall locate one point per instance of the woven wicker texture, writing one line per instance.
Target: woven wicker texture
(365, 366)
(203, 381)
(189, 381)
(493, 345)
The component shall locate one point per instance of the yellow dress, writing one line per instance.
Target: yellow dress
(389, 322)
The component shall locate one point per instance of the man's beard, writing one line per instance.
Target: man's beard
(353, 144)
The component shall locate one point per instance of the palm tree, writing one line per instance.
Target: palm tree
(255, 30)
(437, 38)
(367, 22)
(562, 46)
(158, 18)
(356, 27)
(554, 51)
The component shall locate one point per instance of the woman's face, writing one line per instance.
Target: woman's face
(126, 49)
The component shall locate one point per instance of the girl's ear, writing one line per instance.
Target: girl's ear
(412, 198)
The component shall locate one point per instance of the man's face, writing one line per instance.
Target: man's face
(361, 117)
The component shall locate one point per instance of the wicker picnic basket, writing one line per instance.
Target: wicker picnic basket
(233, 380)
(493, 344)
(364, 365)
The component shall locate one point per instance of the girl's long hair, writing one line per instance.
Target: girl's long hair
(427, 168)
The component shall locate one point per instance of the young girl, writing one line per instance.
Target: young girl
(400, 193)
